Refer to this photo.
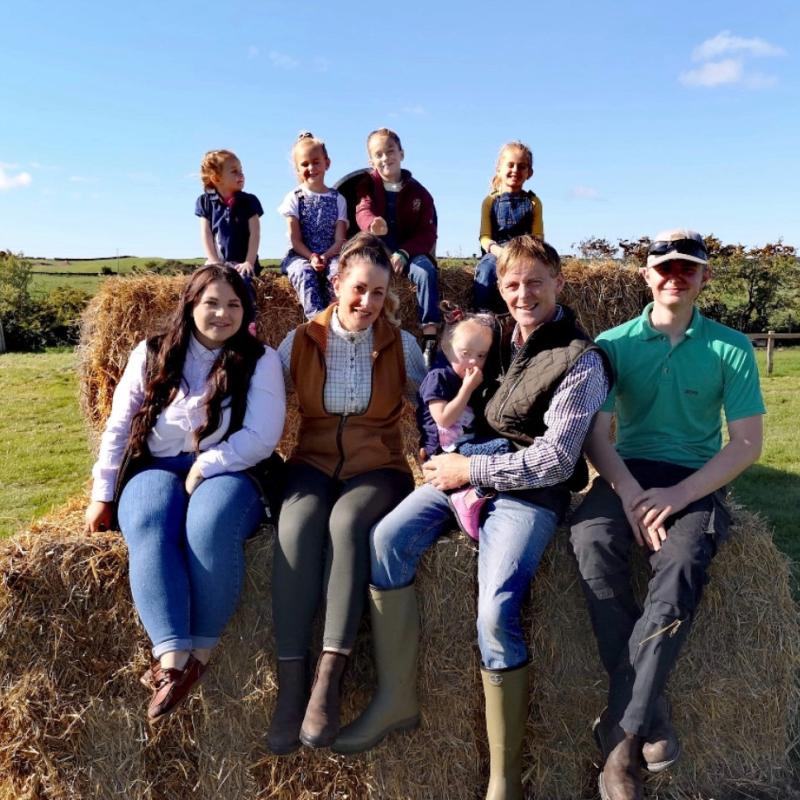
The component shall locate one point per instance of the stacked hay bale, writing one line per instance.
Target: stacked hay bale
(71, 707)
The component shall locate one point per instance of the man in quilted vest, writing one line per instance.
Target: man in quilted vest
(552, 381)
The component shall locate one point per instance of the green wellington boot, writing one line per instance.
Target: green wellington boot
(506, 695)
(394, 707)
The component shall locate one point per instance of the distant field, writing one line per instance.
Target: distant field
(50, 273)
(69, 273)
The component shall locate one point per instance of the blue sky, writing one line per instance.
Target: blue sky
(641, 116)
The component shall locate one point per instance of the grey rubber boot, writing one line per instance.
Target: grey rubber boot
(506, 695)
(394, 707)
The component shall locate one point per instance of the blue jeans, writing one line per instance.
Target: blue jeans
(314, 289)
(423, 274)
(513, 537)
(186, 553)
(485, 294)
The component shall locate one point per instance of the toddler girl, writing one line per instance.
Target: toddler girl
(317, 220)
(447, 421)
(506, 212)
(230, 228)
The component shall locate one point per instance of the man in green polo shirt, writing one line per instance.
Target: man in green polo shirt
(662, 486)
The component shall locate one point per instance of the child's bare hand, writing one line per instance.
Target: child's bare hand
(472, 379)
(378, 227)
(245, 269)
(317, 262)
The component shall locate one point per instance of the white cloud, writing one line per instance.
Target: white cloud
(725, 42)
(724, 57)
(283, 61)
(584, 193)
(252, 51)
(80, 179)
(8, 165)
(417, 110)
(714, 73)
(17, 181)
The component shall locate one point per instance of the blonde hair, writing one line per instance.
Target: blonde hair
(306, 138)
(371, 248)
(389, 133)
(212, 165)
(482, 320)
(494, 184)
(528, 248)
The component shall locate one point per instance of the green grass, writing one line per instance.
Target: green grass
(44, 455)
(772, 486)
(70, 272)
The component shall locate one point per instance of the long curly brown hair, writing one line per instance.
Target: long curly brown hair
(229, 376)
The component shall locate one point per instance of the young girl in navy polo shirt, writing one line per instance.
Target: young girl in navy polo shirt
(317, 221)
(230, 229)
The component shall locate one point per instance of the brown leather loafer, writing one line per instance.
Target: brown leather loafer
(172, 686)
(661, 748)
(150, 675)
(620, 779)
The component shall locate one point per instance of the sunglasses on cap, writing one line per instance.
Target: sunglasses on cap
(684, 247)
(677, 267)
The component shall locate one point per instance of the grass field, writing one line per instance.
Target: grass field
(772, 486)
(45, 458)
(44, 455)
(69, 273)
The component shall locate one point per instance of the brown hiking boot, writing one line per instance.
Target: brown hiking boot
(172, 687)
(283, 736)
(661, 748)
(322, 721)
(620, 778)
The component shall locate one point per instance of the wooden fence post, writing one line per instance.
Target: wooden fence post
(770, 348)
(2, 339)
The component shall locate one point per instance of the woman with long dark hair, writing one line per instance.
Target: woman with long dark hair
(350, 366)
(195, 409)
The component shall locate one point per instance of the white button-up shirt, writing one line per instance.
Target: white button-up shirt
(174, 430)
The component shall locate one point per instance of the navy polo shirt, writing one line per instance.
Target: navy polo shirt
(230, 224)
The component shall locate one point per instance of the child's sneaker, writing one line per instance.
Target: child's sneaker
(467, 505)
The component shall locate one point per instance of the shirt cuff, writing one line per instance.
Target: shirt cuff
(211, 463)
(480, 470)
(103, 490)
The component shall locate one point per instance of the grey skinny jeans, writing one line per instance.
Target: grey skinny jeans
(322, 551)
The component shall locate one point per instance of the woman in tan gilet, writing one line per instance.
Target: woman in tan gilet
(350, 367)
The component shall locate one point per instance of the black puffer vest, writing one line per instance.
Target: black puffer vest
(517, 408)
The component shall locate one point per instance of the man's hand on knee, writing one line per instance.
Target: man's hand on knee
(652, 507)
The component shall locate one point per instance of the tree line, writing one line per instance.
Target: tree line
(755, 289)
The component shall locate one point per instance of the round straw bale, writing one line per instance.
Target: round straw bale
(72, 709)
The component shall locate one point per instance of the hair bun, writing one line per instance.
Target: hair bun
(304, 135)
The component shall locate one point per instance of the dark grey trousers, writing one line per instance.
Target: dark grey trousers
(639, 646)
(322, 551)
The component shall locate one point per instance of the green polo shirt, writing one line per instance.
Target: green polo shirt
(668, 400)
